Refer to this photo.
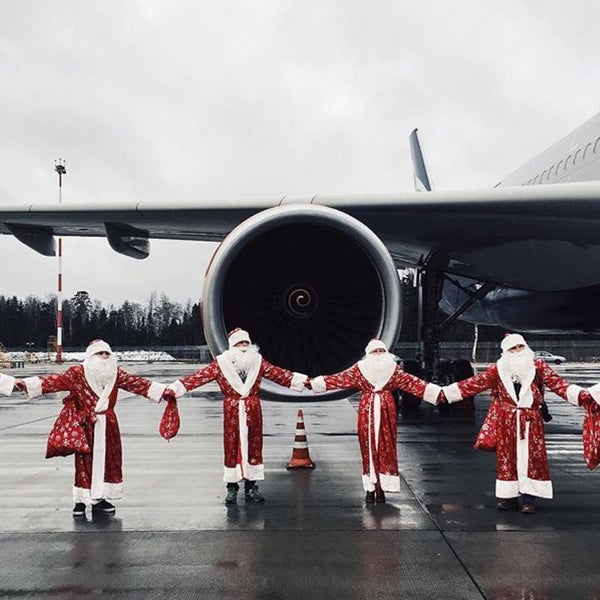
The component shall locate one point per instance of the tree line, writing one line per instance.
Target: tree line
(159, 322)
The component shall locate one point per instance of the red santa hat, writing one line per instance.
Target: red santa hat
(238, 335)
(375, 344)
(97, 346)
(511, 340)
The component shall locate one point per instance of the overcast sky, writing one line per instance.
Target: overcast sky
(152, 100)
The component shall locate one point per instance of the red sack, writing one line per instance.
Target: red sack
(487, 438)
(591, 435)
(169, 424)
(67, 435)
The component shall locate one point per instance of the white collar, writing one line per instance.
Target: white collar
(235, 381)
(380, 382)
(525, 399)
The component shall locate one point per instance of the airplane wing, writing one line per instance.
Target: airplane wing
(531, 237)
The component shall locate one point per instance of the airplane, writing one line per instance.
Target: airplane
(313, 278)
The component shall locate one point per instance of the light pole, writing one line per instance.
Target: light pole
(60, 168)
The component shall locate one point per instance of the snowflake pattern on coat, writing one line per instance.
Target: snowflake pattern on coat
(231, 402)
(383, 456)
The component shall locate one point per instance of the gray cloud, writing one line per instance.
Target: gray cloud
(187, 100)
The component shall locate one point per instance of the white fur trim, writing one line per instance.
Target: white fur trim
(573, 394)
(255, 472)
(7, 383)
(378, 382)
(178, 388)
(229, 372)
(511, 340)
(389, 483)
(374, 345)
(232, 474)
(33, 387)
(507, 489)
(432, 391)
(595, 392)
(368, 485)
(535, 487)
(155, 391)
(297, 383)
(452, 393)
(525, 399)
(109, 491)
(318, 384)
(237, 336)
(97, 346)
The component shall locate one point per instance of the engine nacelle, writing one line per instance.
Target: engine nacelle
(311, 285)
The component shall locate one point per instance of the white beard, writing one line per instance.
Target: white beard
(100, 371)
(244, 359)
(378, 368)
(519, 364)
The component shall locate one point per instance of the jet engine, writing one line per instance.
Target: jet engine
(311, 285)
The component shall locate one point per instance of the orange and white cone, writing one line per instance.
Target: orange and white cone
(300, 456)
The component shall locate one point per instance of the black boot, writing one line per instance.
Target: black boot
(232, 492)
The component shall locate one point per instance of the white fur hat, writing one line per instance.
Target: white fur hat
(238, 335)
(97, 346)
(374, 345)
(511, 340)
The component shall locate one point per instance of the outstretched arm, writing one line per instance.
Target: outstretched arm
(293, 380)
(344, 380)
(60, 382)
(140, 385)
(195, 379)
(430, 392)
(573, 394)
(471, 386)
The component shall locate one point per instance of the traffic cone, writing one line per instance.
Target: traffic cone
(300, 456)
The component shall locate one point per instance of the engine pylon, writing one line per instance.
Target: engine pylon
(300, 456)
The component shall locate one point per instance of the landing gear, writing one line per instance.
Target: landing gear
(432, 367)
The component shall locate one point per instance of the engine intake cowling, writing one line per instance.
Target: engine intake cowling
(311, 284)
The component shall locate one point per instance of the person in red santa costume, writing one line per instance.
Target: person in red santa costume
(238, 371)
(93, 388)
(376, 376)
(514, 426)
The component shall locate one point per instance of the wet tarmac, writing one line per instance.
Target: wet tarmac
(173, 537)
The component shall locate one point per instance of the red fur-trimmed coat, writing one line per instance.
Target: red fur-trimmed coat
(515, 427)
(237, 439)
(84, 399)
(379, 460)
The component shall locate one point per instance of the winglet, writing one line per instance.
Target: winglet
(422, 183)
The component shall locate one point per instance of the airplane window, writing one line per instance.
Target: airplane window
(596, 145)
(587, 150)
(576, 158)
(558, 166)
(567, 162)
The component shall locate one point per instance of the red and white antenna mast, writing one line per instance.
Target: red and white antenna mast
(59, 167)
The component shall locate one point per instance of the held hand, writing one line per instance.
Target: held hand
(441, 399)
(20, 385)
(167, 395)
(308, 384)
